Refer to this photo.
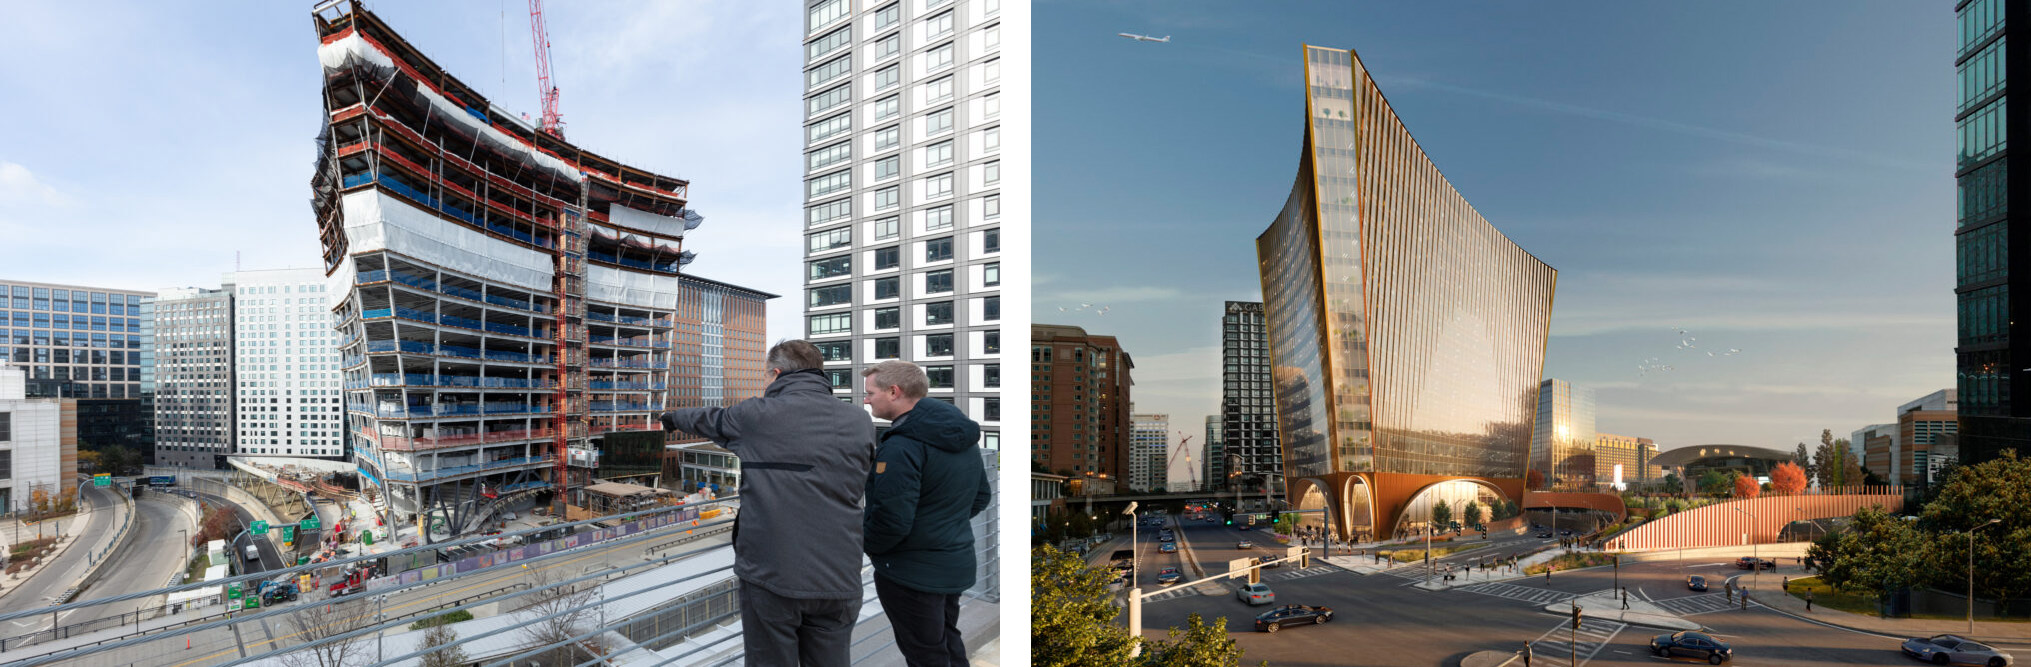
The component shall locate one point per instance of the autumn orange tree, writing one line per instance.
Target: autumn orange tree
(1746, 487)
(1787, 479)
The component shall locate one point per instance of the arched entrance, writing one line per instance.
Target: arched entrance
(1456, 493)
(1311, 503)
(1357, 503)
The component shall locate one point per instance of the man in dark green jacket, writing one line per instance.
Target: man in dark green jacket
(928, 481)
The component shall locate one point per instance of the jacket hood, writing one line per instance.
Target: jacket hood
(938, 424)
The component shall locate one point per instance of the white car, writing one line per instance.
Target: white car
(1245, 544)
(1954, 650)
(1255, 594)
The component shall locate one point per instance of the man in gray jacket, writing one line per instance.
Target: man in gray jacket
(804, 457)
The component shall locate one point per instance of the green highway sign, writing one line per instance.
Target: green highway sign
(233, 592)
(259, 526)
(310, 523)
(289, 534)
(102, 479)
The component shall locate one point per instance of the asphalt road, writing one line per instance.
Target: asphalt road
(1385, 620)
(147, 563)
(271, 558)
(65, 570)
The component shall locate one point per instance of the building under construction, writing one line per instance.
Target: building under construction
(502, 296)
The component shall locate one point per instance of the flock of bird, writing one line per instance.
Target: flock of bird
(1687, 342)
(1101, 310)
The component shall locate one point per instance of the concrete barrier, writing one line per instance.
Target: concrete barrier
(1766, 551)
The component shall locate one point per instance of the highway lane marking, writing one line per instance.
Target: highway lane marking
(447, 593)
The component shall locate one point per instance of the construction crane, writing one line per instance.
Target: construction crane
(546, 90)
(1185, 448)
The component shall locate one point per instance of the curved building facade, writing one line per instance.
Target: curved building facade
(1406, 333)
(502, 297)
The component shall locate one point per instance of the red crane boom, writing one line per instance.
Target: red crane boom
(552, 122)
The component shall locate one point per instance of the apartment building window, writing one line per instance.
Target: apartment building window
(831, 267)
(990, 139)
(940, 121)
(990, 275)
(888, 16)
(887, 138)
(888, 107)
(938, 282)
(824, 13)
(991, 105)
(831, 323)
(830, 240)
(990, 309)
(938, 57)
(990, 208)
(938, 91)
(888, 318)
(938, 26)
(888, 198)
(992, 172)
(832, 41)
(832, 97)
(990, 376)
(888, 167)
(991, 343)
(938, 154)
(828, 156)
(990, 71)
(940, 376)
(938, 313)
(888, 258)
(938, 186)
(832, 69)
(888, 348)
(7, 464)
(888, 77)
(938, 345)
(6, 431)
(938, 218)
(889, 46)
(991, 409)
(839, 378)
(829, 183)
(887, 228)
(938, 249)
(831, 296)
(828, 128)
(888, 288)
(991, 240)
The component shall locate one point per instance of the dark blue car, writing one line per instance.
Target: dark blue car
(1690, 643)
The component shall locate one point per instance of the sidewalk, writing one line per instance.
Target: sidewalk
(1901, 628)
(73, 527)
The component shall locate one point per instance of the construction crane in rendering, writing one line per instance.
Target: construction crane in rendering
(1185, 449)
(546, 89)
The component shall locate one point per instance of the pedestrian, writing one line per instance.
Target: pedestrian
(1730, 589)
(1745, 600)
(928, 482)
(1808, 600)
(804, 459)
(1625, 598)
(1547, 574)
(1787, 584)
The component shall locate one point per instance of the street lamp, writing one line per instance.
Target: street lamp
(1755, 548)
(1134, 545)
(1971, 573)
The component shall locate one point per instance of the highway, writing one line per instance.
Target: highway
(150, 558)
(101, 512)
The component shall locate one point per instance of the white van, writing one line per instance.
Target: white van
(253, 554)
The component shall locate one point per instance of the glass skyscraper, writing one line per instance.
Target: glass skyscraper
(1989, 420)
(1247, 404)
(1562, 440)
(1406, 333)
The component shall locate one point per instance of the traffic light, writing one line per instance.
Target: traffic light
(1576, 617)
(1230, 521)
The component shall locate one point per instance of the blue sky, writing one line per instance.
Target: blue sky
(147, 142)
(1772, 177)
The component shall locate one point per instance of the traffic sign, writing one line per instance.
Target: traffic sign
(102, 479)
(310, 523)
(259, 526)
(289, 534)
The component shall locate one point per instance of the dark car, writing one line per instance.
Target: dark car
(1272, 561)
(1169, 575)
(274, 593)
(1753, 563)
(1293, 614)
(1566, 533)
(1696, 582)
(1544, 535)
(1167, 537)
(1690, 643)
(1954, 650)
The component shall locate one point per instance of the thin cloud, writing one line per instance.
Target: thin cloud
(1660, 124)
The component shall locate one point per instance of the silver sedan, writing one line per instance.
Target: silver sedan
(1954, 650)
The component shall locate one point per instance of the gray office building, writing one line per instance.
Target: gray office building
(190, 334)
(83, 343)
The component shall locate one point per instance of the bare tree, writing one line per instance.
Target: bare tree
(437, 641)
(574, 610)
(316, 622)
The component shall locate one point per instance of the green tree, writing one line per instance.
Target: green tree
(1470, 514)
(1879, 551)
(1442, 515)
(1994, 489)
(1198, 644)
(1715, 481)
(437, 640)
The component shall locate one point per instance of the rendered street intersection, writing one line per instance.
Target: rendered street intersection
(1383, 618)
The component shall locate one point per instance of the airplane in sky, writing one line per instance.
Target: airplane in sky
(1145, 38)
